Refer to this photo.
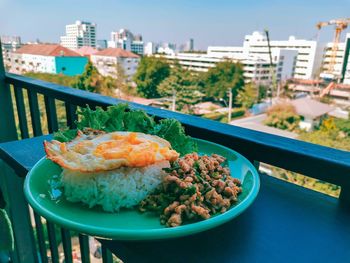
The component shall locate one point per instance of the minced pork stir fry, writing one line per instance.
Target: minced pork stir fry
(195, 188)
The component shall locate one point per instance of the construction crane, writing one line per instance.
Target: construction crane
(340, 25)
(272, 71)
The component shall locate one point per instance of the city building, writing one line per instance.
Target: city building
(9, 45)
(126, 40)
(108, 60)
(309, 53)
(335, 63)
(79, 34)
(308, 59)
(256, 69)
(101, 44)
(47, 58)
(86, 51)
(166, 48)
(189, 45)
(292, 58)
(150, 48)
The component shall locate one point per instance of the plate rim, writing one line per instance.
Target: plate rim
(147, 234)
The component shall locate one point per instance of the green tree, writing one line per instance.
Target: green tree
(262, 93)
(150, 73)
(122, 83)
(182, 85)
(283, 116)
(248, 96)
(224, 76)
(91, 80)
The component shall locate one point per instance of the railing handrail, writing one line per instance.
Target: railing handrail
(325, 163)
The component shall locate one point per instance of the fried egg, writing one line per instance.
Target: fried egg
(109, 151)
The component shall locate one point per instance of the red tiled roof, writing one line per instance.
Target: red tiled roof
(86, 51)
(54, 50)
(116, 52)
(307, 81)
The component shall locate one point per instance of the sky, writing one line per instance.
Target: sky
(215, 22)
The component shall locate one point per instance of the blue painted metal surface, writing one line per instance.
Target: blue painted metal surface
(286, 223)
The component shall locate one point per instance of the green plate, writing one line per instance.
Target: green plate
(130, 224)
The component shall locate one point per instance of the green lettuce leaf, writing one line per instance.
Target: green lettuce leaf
(121, 118)
(172, 131)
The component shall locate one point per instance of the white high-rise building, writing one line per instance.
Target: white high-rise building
(291, 59)
(340, 70)
(189, 45)
(126, 40)
(338, 61)
(255, 69)
(79, 34)
(308, 59)
(150, 48)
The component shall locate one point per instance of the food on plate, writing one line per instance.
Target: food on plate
(195, 188)
(104, 152)
(122, 158)
(121, 118)
(113, 170)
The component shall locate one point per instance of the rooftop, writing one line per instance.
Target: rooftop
(54, 50)
(116, 52)
(86, 51)
(256, 123)
(311, 108)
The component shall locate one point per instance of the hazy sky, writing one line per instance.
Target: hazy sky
(212, 22)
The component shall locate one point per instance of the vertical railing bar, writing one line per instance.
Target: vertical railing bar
(52, 242)
(34, 112)
(51, 114)
(8, 131)
(41, 238)
(71, 115)
(25, 249)
(106, 255)
(67, 245)
(21, 112)
(84, 248)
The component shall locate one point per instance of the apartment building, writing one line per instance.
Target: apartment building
(309, 53)
(126, 40)
(47, 58)
(9, 45)
(307, 62)
(292, 58)
(108, 60)
(337, 67)
(150, 48)
(255, 69)
(79, 34)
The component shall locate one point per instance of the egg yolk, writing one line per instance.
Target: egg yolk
(138, 152)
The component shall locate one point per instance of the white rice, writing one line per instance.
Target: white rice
(123, 187)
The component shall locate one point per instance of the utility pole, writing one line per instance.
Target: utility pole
(229, 105)
(173, 102)
(272, 74)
